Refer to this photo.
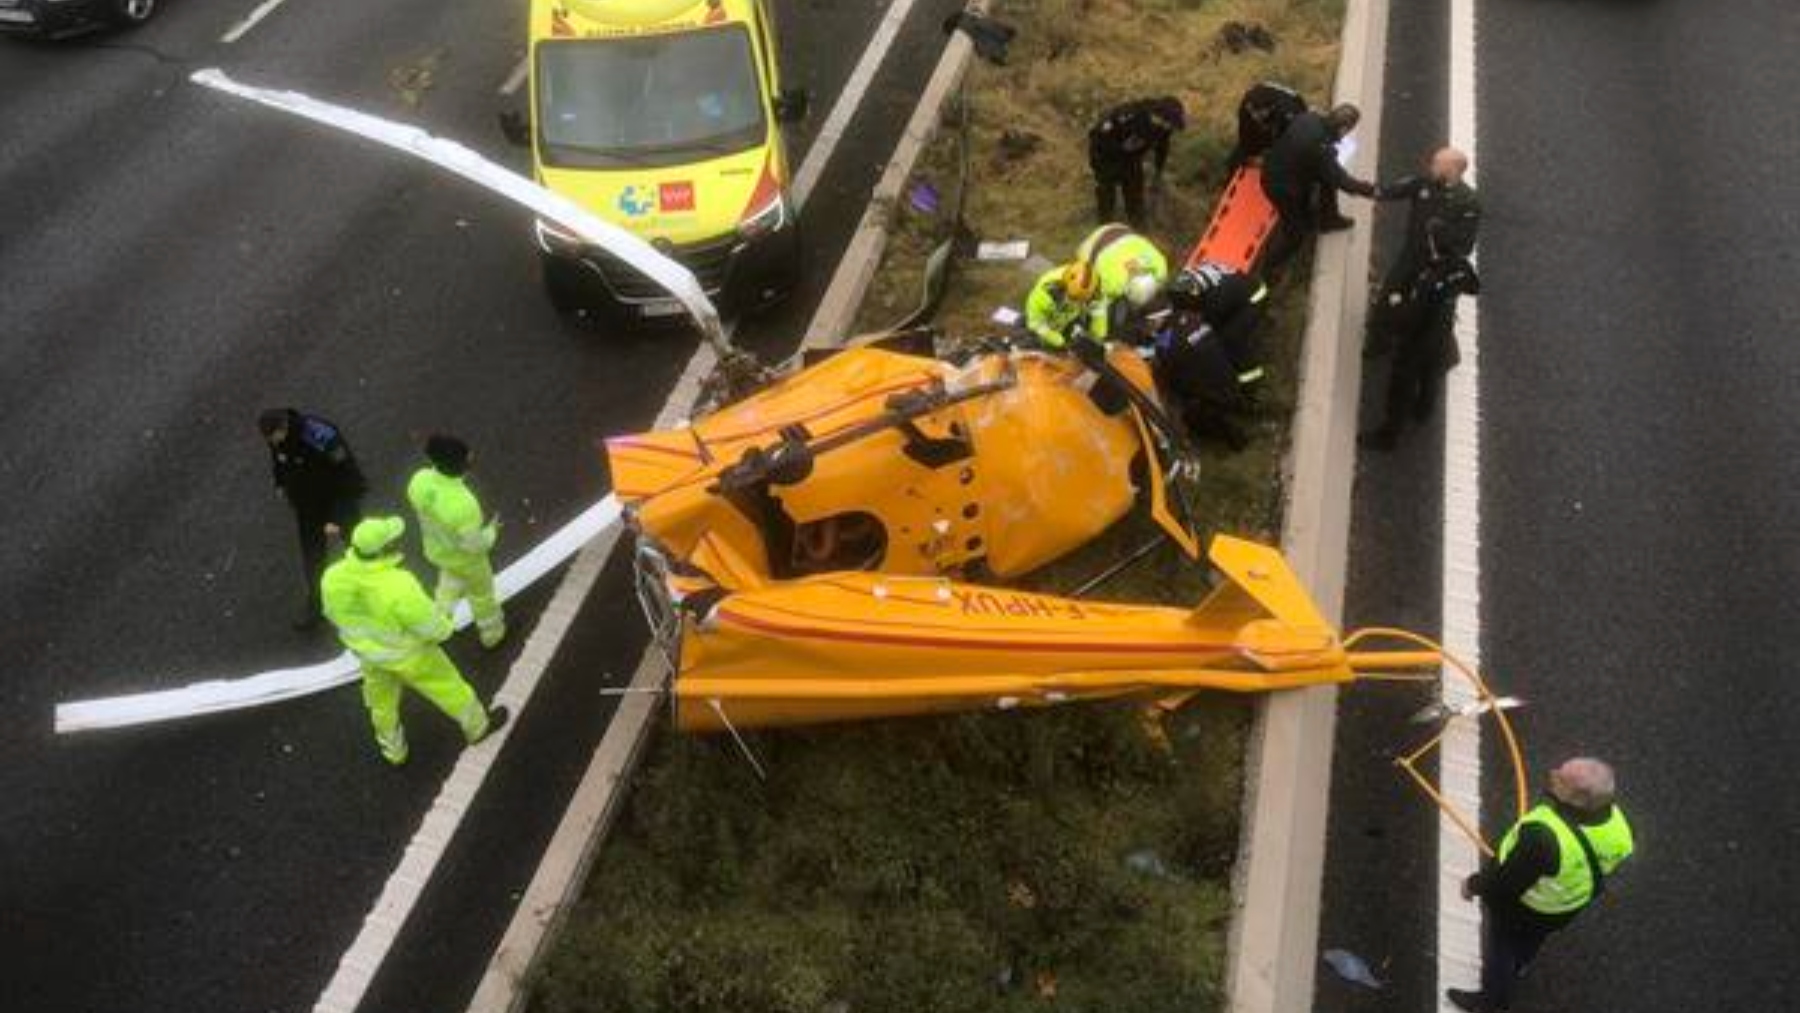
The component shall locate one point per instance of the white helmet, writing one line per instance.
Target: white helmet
(1141, 288)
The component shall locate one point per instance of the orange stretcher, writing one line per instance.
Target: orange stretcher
(1241, 224)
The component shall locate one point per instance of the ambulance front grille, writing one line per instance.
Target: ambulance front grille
(710, 262)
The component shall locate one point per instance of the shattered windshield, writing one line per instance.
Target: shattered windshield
(648, 101)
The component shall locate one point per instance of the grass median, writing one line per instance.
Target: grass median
(1077, 857)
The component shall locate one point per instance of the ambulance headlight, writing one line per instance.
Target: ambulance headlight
(770, 218)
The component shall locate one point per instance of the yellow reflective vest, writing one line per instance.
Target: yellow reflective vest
(1049, 312)
(1117, 254)
(449, 520)
(1573, 885)
(382, 614)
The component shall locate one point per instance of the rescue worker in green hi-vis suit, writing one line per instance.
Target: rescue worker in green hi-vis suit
(457, 538)
(384, 617)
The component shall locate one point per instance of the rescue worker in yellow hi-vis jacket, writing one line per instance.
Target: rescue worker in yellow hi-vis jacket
(1058, 307)
(384, 617)
(1550, 867)
(457, 538)
(1129, 272)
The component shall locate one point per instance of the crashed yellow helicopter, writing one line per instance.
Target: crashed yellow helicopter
(809, 550)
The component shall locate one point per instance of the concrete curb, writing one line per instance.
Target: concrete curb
(556, 885)
(833, 321)
(1280, 869)
(557, 882)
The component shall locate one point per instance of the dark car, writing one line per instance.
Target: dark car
(52, 18)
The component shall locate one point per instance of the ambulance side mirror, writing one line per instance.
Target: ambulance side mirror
(792, 104)
(514, 128)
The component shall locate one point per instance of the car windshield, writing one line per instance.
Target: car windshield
(652, 100)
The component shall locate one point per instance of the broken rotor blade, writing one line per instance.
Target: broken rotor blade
(463, 161)
(1441, 711)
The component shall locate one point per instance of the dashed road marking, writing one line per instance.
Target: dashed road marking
(251, 20)
(516, 79)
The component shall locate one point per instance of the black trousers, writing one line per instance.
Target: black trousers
(1298, 214)
(1510, 942)
(1202, 383)
(1239, 335)
(1421, 339)
(1114, 178)
(1414, 383)
(312, 519)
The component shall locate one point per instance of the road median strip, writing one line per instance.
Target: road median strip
(1274, 941)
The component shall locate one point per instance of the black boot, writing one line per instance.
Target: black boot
(1473, 1002)
(497, 718)
(1335, 223)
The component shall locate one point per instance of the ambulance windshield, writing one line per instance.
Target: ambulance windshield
(648, 101)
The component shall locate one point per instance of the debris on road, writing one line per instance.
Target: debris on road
(413, 79)
(1351, 968)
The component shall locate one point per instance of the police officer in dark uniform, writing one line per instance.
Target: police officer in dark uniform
(1422, 318)
(1263, 115)
(1117, 145)
(1414, 314)
(316, 471)
(1443, 220)
(1232, 304)
(1301, 176)
(1193, 369)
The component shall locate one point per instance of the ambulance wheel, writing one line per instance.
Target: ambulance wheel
(130, 13)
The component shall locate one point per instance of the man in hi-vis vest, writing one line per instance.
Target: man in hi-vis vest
(1550, 866)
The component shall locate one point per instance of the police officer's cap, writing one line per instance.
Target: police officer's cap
(1172, 112)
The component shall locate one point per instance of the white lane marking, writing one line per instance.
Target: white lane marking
(517, 78)
(381, 928)
(1459, 922)
(849, 100)
(242, 28)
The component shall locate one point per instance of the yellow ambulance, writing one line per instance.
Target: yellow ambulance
(664, 117)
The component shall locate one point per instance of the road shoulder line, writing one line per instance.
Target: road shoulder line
(850, 99)
(1459, 922)
(1280, 868)
(547, 900)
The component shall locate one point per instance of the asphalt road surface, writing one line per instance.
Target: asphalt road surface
(172, 261)
(1640, 462)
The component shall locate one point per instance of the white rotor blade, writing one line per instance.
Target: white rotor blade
(217, 695)
(678, 280)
